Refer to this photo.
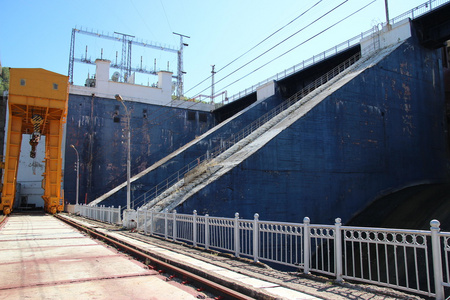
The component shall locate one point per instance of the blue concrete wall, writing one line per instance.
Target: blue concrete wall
(154, 135)
(383, 131)
(96, 127)
(160, 174)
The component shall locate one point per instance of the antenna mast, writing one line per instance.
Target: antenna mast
(180, 71)
(212, 83)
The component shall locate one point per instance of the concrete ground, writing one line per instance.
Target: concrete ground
(43, 258)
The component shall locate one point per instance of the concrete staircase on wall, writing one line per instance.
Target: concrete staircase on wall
(211, 170)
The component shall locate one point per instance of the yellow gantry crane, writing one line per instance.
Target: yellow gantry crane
(37, 105)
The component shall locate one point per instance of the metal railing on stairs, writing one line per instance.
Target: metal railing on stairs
(246, 131)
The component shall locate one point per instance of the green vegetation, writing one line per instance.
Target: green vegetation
(189, 99)
(4, 80)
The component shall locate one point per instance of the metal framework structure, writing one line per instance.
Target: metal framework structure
(125, 64)
(37, 105)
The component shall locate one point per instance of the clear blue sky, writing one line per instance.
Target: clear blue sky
(36, 34)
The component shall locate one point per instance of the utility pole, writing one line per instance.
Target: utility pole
(387, 14)
(212, 83)
(180, 71)
(128, 113)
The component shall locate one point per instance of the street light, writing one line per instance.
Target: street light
(120, 99)
(78, 173)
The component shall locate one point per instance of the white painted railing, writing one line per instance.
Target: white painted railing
(415, 261)
(102, 213)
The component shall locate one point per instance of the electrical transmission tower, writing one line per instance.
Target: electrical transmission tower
(125, 64)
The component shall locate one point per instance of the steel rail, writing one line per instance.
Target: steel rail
(3, 220)
(217, 289)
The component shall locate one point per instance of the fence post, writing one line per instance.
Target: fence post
(207, 231)
(112, 212)
(151, 222)
(174, 225)
(306, 245)
(255, 238)
(236, 235)
(145, 221)
(437, 259)
(137, 220)
(338, 249)
(166, 229)
(194, 228)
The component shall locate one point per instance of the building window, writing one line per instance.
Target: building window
(191, 115)
(55, 86)
(116, 117)
(22, 82)
(202, 117)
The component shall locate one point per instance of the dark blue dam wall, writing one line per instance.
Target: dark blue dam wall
(160, 174)
(97, 128)
(382, 131)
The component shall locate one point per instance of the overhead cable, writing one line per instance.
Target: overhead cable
(314, 36)
(265, 39)
(273, 47)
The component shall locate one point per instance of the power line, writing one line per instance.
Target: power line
(143, 20)
(265, 39)
(314, 36)
(273, 47)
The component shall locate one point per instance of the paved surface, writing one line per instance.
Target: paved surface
(43, 258)
(242, 274)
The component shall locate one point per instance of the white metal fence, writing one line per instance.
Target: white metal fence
(410, 260)
(102, 213)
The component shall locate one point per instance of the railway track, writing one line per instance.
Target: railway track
(202, 284)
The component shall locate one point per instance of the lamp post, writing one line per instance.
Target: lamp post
(120, 99)
(78, 174)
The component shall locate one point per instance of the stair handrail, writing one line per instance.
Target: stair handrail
(243, 133)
